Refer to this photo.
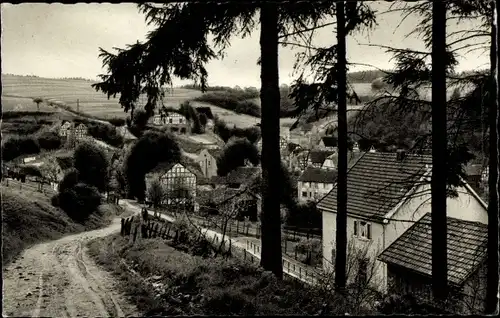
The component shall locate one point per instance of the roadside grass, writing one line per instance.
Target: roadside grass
(29, 218)
(163, 280)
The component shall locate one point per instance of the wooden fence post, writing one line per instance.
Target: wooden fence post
(168, 231)
(248, 227)
(121, 228)
(245, 255)
(237, 226)
(135, 232)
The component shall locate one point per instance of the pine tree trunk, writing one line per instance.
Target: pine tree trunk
(270, 125)
(492, 263)
(341, 230)
(439, 153)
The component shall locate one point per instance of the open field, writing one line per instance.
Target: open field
(18, 91)
(69, 91)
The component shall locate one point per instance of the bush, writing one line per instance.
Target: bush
(92, 165)
(55, 200)
(49, 140)
(69, 180)
(80, 201)
(117, 121)
(19, 146)
(105, 133)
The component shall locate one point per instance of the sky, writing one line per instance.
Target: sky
(59, 40)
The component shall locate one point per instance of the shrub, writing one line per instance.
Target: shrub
(55, 200)
(49, 140)
(19, 146)
(117, 121)
(80, 201)
(105, 133)
(92, 165)
(69, 180)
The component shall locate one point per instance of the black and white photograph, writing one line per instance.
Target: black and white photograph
(250, 158)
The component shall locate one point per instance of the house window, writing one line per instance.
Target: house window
(363, 229)
(170, 120)
(209, 163)
(304, 194)
(180, 120)
(315, 185)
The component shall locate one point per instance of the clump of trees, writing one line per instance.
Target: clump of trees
(234, 155)
(79, 190)
(192, 115)
(28, 145)
(106, 133)
(241, 101)
(225, 132)
(150, 150)
(117, 121)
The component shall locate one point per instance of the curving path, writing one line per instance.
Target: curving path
(58, 279)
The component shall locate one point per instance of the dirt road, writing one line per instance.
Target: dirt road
(58, 279)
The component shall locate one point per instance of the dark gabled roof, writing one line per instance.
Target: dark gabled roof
(329, 141)
(292, 146)
(65, 162)
(312, 174)
(205, 110)
(377, 182)
(466, 245)
(319, 156)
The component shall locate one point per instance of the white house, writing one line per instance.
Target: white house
(80, 132)
(388, 193)
(207, 159)
(315, 183)
(65, 129)
(179, 183)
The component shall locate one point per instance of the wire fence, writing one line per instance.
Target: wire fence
(30, 185)
(137, 227)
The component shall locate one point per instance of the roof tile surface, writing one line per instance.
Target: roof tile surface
(466, 248)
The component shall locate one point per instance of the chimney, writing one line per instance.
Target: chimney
(400, 154)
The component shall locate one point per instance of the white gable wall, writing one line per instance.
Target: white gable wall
(465, 207)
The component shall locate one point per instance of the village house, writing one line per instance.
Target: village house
(387, 193)
(207, 111)
(239, 187)
(179, 183)
(176, 122)
(207, 159)
(316, 158)
(328, 143)
(80, 132)
(314, 183)
(65, 129)
(283, 144)
(409, 265)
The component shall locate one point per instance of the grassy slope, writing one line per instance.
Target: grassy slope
(192, 285)
(29, 218)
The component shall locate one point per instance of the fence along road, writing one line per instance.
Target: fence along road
(290, 266)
